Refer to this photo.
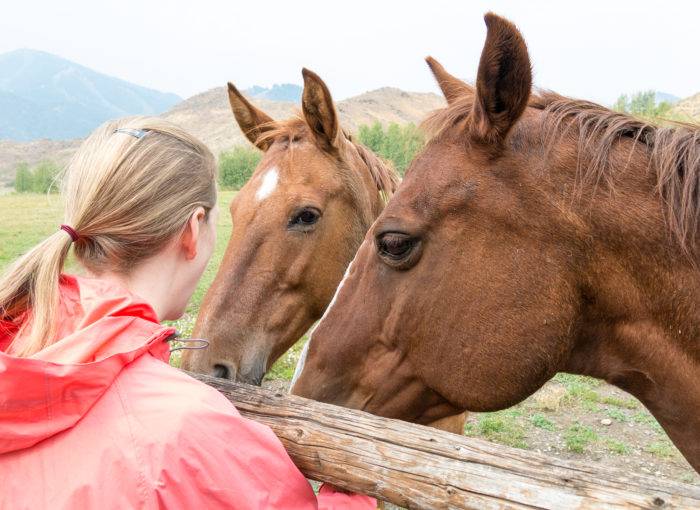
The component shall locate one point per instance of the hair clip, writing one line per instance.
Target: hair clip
(136, 133)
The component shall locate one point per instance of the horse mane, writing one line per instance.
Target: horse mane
(672, 149)
(382, 172)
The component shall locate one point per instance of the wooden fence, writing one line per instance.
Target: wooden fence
(419, 467)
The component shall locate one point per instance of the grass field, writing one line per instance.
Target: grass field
(571, 417)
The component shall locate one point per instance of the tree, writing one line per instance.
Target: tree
(372, 137)
(621, 104)
(45, 177)
(23, 178)
(398, 144)
(643, 105)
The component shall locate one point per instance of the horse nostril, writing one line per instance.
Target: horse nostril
(221, 371)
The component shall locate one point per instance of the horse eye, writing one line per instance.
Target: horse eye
(395, 246)
(304, 219)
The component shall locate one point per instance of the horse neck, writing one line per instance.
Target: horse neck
(651, 357)
(640, 294)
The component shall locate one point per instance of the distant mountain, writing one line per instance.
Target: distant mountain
(689, 107)
(208, 116)
(386, 105)
(278, 92)
(45, 96)
(660, 97)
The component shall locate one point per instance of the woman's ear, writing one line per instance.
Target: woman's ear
(190, 236)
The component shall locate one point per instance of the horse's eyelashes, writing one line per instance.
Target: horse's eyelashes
(396, 246)
(304, 219)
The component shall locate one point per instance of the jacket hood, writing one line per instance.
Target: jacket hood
(102, 328)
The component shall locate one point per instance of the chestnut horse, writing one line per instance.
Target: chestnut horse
(297, 223)
(534, 234)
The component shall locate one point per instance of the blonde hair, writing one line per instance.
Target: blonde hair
(126, 195)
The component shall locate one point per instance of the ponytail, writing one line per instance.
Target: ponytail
(29, 293)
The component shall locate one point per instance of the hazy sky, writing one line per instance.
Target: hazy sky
(590, 49)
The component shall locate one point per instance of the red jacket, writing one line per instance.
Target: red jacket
(100, 420)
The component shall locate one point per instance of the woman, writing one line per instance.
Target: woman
(91, 413)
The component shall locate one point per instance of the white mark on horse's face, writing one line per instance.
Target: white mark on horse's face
(302, 359)
(268, 184)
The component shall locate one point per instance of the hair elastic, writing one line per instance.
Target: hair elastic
(71, 232)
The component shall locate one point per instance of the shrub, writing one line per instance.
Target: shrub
(237, 165)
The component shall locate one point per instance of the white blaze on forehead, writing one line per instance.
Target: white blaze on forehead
(305, 351)
(268, 184)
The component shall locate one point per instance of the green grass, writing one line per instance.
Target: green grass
(26, 220)
(663, 449)
(647, 419)
(626, 403)
(580, 390)
(575, 381)
(615, 446)
(540, 421)
(617, 415)
(504, 427)
(577, 437)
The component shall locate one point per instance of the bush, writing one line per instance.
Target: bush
(236, 166)
(43, 178)
(398, 144)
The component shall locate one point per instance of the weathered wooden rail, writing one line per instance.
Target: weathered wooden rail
(418, 467)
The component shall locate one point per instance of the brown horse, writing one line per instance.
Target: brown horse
(297, 223)
(534, 234)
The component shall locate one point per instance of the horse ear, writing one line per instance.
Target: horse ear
(503, 82)
(452, 88)
(253, 122)
(319, 111)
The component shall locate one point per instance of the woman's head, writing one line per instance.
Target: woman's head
(134, 187)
